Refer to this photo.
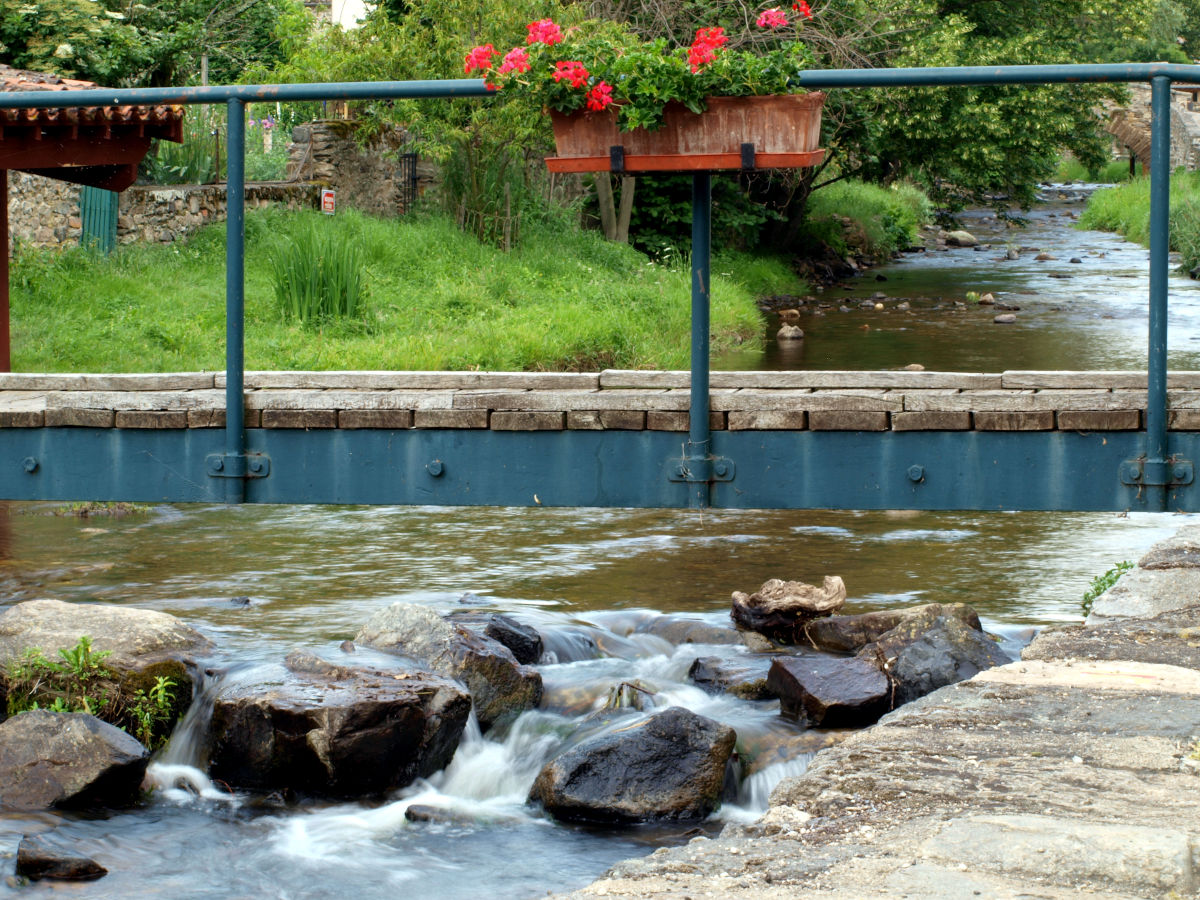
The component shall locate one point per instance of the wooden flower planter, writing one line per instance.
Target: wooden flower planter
(776, 132)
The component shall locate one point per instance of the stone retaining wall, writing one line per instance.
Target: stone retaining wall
(44, 212)
(613, 399)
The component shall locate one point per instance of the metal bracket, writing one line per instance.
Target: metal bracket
(1142, 472)
(616, 158)
(748, 157)
(691, 471)
(236, 465)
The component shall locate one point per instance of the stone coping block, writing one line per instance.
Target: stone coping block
(418, 381)
(170, 381)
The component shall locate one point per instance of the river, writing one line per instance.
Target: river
(596, 583)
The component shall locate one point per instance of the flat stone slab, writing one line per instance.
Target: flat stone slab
(1171, 638)
(1151, 859)
(1147, 592)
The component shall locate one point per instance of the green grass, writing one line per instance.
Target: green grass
(885, 219)
(1126, 210)
(436, 299)
(1102, 583)
(1070, 169)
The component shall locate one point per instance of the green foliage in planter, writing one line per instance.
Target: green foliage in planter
(317, 271)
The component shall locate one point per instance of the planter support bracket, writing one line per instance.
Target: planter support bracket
(748, 157)
(616, 158)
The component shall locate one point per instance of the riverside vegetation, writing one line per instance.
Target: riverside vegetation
(78, 681)
(435, 298)
(1125, 209)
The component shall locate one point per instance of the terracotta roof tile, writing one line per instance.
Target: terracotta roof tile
(159, 121)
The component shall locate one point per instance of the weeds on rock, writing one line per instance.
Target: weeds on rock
(79, 681)
(1102, 583)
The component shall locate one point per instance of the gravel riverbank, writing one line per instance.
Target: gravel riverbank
(1075, 770)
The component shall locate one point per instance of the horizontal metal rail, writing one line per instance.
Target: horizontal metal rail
(1152, 486)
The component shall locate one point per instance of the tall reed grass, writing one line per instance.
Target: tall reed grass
(318, 272)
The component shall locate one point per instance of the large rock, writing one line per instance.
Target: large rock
(682, 630)
(932, 649)
(831, 691)
(52, 759)
(500, 687)
(142, 644)
(779, 609)
(742, 676)
(523, 641)
(335, 730)
(961, 239)
(849, 634)
(37, 860)
(670, 765)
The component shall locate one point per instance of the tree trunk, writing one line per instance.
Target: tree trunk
(604, 198)
(628, 183)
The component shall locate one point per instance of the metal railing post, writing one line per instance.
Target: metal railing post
(1160, 201)
(698, 462)
(235, 301)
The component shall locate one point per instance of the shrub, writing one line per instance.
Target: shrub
(317, 272)
(885, 220)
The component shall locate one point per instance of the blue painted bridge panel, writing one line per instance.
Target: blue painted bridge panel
(769, 469)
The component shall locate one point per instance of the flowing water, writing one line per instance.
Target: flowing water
(598, 584)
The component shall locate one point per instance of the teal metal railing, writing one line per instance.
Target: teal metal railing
(1153, 473)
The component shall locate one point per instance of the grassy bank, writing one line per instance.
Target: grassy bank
(884, 220)
(1126, 210)
(1070, 169)
(436, 299)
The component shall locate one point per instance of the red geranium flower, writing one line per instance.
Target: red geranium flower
(772, 18)
(572, 71)
(704, 47)
(515, 60)
(599, 97)
(802, 7)
(544, 31)
(480, 58)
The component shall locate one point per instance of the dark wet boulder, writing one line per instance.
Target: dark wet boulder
(830, 691)
(849, 634)
(523, 641)
(500, 687)
(742, 676)
(142, 644)
(779, 609)
(332, 730)
(38, 860)
(930, 650)
(50, 759)
(670, 765)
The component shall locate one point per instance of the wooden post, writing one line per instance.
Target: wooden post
(5, 363)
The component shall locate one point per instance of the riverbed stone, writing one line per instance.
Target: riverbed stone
(849, 634)
(961, 238)
(680, 630)
(334, 730)
(670, 765)
(523, 641)
(931, 649)
(37, 860)
(830, 691)
(52, 759)
(500, 687)
(142, 644)
(779, 609)
(789, 333)
(741, 676)
(1171, 637)
(1005, 319)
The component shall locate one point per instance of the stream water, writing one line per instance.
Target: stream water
(599, 585)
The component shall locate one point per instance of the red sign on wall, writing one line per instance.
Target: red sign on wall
(328, 202)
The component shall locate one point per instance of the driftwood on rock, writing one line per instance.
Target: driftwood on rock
(779, 609)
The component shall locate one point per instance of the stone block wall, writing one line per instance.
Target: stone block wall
(44, 212)
(366, 177)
